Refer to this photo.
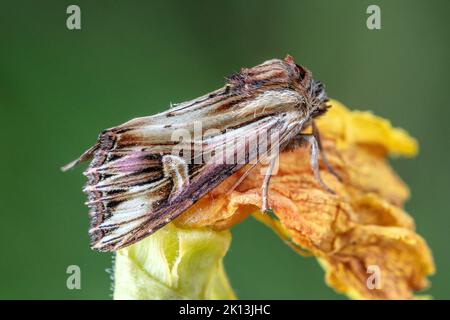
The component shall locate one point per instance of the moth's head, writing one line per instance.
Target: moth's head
(319, 99)
(312, 90)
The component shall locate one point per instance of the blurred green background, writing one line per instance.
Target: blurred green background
(59, 88)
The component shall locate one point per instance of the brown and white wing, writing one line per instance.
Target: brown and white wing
(134, 190)
(136, 184)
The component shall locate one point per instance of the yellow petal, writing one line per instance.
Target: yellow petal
(363, 127)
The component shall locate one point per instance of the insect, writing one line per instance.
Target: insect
(137, 183)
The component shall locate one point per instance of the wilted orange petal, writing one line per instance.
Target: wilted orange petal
(360, 227)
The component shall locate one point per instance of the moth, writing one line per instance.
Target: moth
(137, 183)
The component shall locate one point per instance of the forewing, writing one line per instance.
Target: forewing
(136, 184)
(134, 191)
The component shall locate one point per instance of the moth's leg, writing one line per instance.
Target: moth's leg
(315, 159)
(176, 169)
(316, 134)
(265, 186)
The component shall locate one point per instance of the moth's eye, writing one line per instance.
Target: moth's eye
(319, 87)
(320, 110)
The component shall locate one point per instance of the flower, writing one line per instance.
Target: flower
(174, 263)
(361, 235)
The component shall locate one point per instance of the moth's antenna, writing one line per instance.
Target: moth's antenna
(85, 156)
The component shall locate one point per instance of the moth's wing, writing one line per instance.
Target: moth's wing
(135, 189)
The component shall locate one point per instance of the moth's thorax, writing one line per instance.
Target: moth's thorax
(282, 74)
